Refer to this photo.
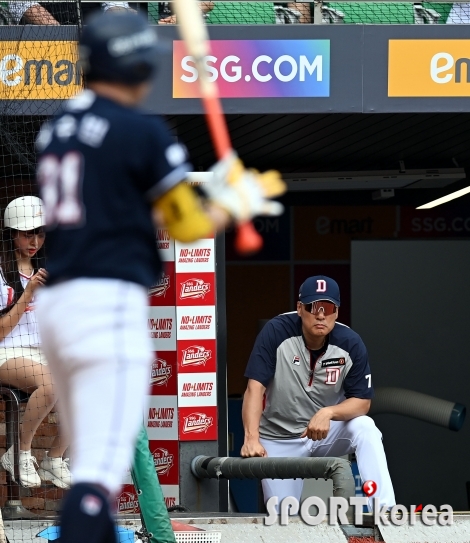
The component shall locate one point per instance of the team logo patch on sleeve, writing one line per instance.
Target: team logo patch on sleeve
(175, 154)
(333, 362)
(296, 360)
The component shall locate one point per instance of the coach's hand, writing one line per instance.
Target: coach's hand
(319, 425)
(243, 193)
(252, 448)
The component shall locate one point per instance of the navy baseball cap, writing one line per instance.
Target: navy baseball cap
(319, 287)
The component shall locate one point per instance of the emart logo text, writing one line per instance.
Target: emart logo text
(14, 71)
(39, 70)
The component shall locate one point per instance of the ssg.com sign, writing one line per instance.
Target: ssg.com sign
(257, 69)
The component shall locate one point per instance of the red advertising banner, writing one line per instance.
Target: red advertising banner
(163, 374)
(164, 291)
(127, 501)
(165, 245)
(196, 355)
(195, 288)
(197, 423)
(166, 459)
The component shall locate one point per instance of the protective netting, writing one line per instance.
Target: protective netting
(40, 68)
(35, 68)
(217, 12)
(264, 12)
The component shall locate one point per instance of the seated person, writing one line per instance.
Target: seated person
(56, 13)
(22, 362)
(162, 13)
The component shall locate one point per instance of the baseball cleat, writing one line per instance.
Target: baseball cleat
(28, 475)
(55, 470)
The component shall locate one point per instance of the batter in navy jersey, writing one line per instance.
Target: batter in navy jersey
(315, 375)
(108, 175)
(105, 224)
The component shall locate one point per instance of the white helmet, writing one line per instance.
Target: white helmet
(24, 213)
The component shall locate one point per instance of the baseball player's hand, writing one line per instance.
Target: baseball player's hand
(319, 425)
(243, 193)
(37, 280)
(252, 448)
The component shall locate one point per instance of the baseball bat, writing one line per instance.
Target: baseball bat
(194, 33)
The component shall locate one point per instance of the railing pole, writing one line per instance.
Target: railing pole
(317, 13)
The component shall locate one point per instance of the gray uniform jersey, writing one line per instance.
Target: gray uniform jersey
(299, 381)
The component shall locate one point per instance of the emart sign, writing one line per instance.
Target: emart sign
(428, 68)
(44, 70)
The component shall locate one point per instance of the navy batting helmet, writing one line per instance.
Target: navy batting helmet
(119, 47)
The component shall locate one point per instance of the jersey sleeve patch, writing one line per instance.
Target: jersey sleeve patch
(175, 155)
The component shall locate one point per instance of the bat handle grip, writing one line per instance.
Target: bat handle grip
(247, 239)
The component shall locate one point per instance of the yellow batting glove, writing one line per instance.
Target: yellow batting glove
(243, 193)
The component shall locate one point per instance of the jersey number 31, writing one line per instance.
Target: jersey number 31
(61, 187)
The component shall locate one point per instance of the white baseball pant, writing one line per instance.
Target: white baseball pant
(94, 335)
(359, 435)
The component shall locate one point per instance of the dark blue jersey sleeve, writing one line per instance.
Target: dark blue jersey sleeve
(168, 160)
(358, 381)
(262, 362)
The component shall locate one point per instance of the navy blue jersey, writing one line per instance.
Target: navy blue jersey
(298, 381)
(101, 167)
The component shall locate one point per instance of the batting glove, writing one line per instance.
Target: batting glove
(243, 193)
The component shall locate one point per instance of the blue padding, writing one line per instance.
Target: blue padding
(53, 532)
(457, 417)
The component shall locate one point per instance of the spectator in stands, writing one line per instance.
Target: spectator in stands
(22, 364)
(293, 13)
(162, 14)
(459, 14)
(304, 9)
(57, 13)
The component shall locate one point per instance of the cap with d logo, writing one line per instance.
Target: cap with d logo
(319, 287)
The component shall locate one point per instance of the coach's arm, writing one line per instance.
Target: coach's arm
(319, 424)
(251, 414)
